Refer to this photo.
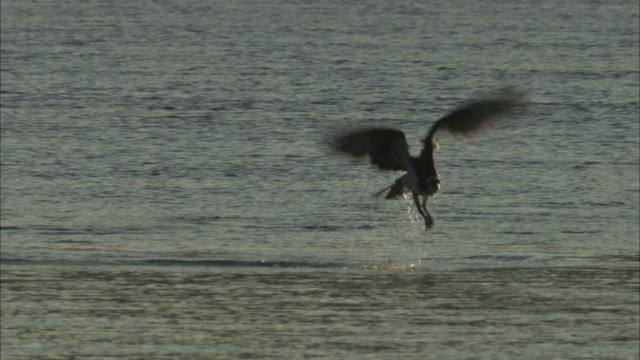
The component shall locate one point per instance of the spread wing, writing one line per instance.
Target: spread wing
(387, 148)
(475, 115)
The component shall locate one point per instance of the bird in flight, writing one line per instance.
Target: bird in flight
(388, 149)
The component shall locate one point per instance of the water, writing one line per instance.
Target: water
(166, 191)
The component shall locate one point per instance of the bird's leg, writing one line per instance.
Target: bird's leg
(428, 220)
(422, 209)
(410, 180)
(416, 200)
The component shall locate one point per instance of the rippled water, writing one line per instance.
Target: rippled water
(204, 312)
(167, 192)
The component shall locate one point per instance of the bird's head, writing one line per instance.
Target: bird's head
(430, 186)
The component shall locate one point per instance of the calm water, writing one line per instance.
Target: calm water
(167, 193)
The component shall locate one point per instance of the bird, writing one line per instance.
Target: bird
(388, 149)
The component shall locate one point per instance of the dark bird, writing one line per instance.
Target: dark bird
(388, 148)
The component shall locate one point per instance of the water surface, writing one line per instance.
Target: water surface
(167, 192)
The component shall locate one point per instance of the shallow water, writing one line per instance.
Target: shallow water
(167, 191)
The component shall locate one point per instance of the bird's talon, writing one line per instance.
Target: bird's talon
(428, 223)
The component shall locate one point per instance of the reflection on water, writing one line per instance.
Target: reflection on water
(283, 312)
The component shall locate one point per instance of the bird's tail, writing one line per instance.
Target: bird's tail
(393, 191)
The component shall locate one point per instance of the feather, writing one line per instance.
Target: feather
(387, 148)
(469, 118)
